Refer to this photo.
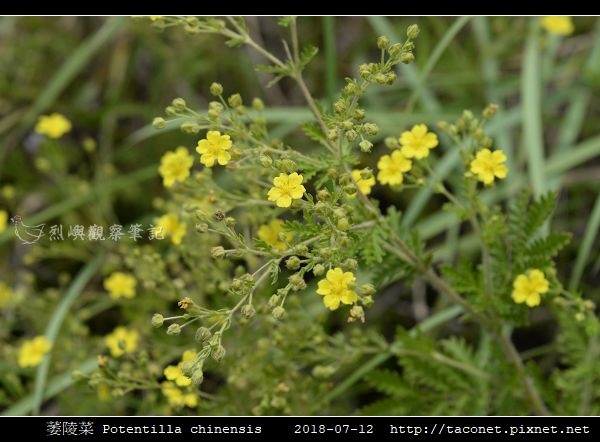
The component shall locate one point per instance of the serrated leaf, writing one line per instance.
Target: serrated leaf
(372, 246)
(538, 212)
(384, 407)
(389, 382)
(462, 277)
(313, 131)
(307, 54)
(235, 42)
(549, 245)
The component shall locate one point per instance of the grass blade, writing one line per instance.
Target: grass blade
(55, 386)
(56, 321)
(330, 58)
(532, 111)
(434, 58)
(585, 247)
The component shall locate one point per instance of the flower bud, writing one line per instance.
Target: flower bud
(278, 312)
(203, 334)
(266, 161)
(216, 89)
(382, 42)
(235, 100)
(174, 330)
(257, 104)
(158, 122)
(407, 57)
(218, 353)
(179, 104)
(157, 320)
(343, 224)
(248, 311)
(293, 263)
(217, 252)
(395, 50)
(412, 32)
(197, 377)
(318, 270)
(365, 146)
(274, 300)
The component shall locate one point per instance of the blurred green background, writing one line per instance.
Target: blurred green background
(111, 76)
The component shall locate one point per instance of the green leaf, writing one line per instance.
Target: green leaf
(313, 131)
(539, 211)
(462, 277)
(550, 245)
(389, 382)
(307, 54)
(372, 246)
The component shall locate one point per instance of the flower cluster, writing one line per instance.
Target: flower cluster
(177, 388)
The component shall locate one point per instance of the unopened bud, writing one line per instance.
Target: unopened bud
(278, 312)
(235, 100)
(248, 311)
(365, 146)
(174, 329)
(217, 252)
(157, 320)
(412, 32)
(382, 42)
(216, 89)
(158, 122)
(218, 353)
(293, 263)
(179, 104)
(257, 104)
(202, 334)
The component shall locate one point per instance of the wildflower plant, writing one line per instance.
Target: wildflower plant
(276, 247)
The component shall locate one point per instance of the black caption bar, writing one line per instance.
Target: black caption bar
(302, 428)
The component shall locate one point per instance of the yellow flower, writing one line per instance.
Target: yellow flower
(156, 17)
(175, 166)
(269, 233)
(33, 351)
(174, 373)
(529, 286)
(391, 168)
(488, 165)
(286, 188)
(417, 142)
(6, 295)
(364, 185)
(176, 397)
(214, 147)
(557, 25)
(188, 355)
(171, 226)
(120, 285)
(53, 126)
(3, 220)
(337, 287)
(122, 341)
